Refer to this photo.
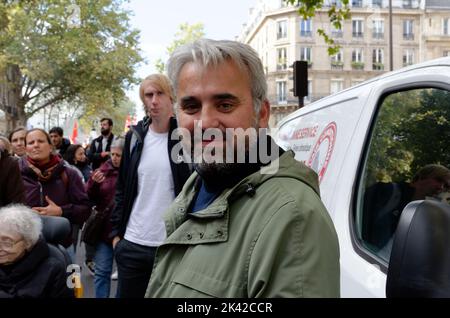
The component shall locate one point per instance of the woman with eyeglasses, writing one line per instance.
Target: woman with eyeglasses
(26, 268)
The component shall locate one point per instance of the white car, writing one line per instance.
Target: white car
(380, 134)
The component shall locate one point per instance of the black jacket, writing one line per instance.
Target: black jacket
(64, 145)
(12, 189)
(127, 181)
(36, 275)
(96, 149)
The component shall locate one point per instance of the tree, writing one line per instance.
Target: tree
(186, 34)
(338, 12)
(57, 51)
(89, 119)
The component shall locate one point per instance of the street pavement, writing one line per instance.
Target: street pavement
(87, 280)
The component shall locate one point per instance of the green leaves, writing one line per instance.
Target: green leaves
(84, 50)
(337, 14)
(187, 33)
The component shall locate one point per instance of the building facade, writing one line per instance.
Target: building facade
(421, 31)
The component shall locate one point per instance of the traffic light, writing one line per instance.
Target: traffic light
(300, 78)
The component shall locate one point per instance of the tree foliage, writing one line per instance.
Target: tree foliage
(186, 34)
(336, 13)
(82, 52)
(411, 131)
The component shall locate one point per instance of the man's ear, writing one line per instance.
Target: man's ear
(264, 114)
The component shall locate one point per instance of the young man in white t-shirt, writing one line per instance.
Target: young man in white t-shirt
(148, 183)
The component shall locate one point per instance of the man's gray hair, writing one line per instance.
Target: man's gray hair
(208, 52)
(22, 220)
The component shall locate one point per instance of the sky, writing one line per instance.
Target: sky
(158, 21)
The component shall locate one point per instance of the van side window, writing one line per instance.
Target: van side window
(407, 159)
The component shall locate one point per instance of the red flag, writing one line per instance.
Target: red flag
(75, 132)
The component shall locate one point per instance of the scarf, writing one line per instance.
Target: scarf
(44, 171)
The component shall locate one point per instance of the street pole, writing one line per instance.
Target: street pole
(391, 49)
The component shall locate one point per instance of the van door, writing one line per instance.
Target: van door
(400, 153)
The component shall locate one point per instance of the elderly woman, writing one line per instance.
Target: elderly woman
(101, 189)
(26, 268)
(17, 139)
(51, 186)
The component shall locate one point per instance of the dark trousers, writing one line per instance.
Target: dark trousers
(134, 266)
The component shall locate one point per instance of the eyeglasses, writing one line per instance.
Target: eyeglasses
(9, 244)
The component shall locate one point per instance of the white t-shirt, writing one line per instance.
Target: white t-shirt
(155, 192)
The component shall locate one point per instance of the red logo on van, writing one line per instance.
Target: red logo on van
(322, 151)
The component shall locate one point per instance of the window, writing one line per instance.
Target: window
(281, 92)
(337, 61)
(283, 4)
(378, 29)
(408, 57)
(378, 60)
(357, 59)
(336, 33)
(281, 29)
(337, 3)
(281, 59)
(407, 4)
(446, 26)
(358, 31)
(305, 28)
(305, 54)
(377, 3)
(357, 3)
(446, 53)
(397, 149)
(336, 86)
(408, 30)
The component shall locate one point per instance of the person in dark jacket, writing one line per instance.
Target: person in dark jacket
(27, 270)
(101, 188)
(100, 147)
(11, 185)
(52, 187)
(59, 142)
(148, 182)
(76, 156)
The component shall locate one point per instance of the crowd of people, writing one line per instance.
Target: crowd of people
(43, 172)
(176, 228)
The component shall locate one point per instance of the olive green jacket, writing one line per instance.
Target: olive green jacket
(276, 241)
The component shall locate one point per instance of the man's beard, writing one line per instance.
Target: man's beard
(229, 169)
(105, 132)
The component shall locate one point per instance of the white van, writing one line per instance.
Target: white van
(380, 132)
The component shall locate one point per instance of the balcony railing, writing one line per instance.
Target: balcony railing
(337, 65)
(378, 66)
(358, 35)
(358, 65)
(305, 33)
(408, 36)
(356, 3)
(378, 35)
(337, 34)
